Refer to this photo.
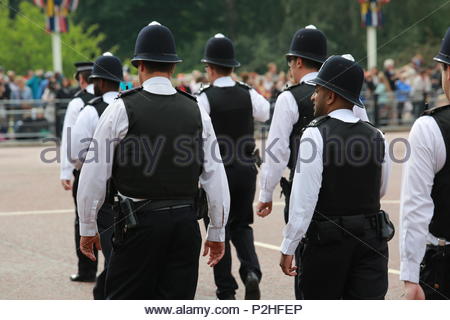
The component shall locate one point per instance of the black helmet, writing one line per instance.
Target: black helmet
(309, 43)
(444, 54)
(107, 67)
(82, 66)
(219, 50)
(342, 75)
(155, 42)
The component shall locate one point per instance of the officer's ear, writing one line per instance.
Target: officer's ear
(331, 97)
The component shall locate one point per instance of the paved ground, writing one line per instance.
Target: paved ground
(36, 234)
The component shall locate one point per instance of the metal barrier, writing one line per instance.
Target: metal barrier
(38, 119)
(31, 119)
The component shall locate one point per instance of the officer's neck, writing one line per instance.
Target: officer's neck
(216, 76)
(145, 76)
(301, 73)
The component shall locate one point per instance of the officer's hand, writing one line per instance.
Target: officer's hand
(286, 265)
(87, 246)
(413, 291)
(67, 184)
(263, 209)
(216, 251)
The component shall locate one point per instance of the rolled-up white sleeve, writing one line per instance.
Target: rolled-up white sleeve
(305, 189)
(213, 180)
(261, 107)
(277, 152)
(73, 109)
(82, 133)
(97, 167)
(416, 205)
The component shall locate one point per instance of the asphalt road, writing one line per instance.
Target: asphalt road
(36, 234)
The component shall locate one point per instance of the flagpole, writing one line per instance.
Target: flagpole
(371, 47)
(56, 44)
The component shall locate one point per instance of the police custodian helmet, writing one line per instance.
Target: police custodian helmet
(107, 67)
(444, 54)
(82, 66)
(309, 43)
(156, 43)
(342, 75)
(219, 50)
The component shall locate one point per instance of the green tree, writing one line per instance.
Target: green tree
(27, 45)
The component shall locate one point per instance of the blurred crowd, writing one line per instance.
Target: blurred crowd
(394, 95)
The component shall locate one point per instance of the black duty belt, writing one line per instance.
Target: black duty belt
(368, 221)
(160, 205)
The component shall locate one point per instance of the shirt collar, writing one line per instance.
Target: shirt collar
(159, 85)
(308, 77)
(109, 96)
(345, 115)
(90, 88)
(224, 82)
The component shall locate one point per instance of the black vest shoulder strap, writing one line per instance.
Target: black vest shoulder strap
(318, 121)
(98, 104)
(435, 110)
(204, 89)
(243, 85)
(128, 92)
(84, 96)
(190, 96)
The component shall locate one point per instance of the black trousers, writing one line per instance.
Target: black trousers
(242, 184)
(435, 273)
(349, 269)
(105, 221)
(158, 259)
(86, 267)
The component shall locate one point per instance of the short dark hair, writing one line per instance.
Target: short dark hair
(111, 85)
(308, 63)
(85, 75)
(444, 66)
(221, 69)
(152, 66)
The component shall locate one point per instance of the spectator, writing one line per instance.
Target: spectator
(383, 92)
(389, 73)
(34, 82)
(420, 88)
(402, 92)
(23, 92)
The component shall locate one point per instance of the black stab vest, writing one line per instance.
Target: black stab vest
(231, 114)
(161, 156)
(85, 96)
(302, 94)
(440, 193)
(353, 154)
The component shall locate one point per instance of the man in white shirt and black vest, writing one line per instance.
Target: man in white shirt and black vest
(87, 269)
(341, 174)
(106, 76)
(157, 145)
(425, 201)
(233, 107)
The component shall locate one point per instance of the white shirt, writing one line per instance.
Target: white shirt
(308, 180)
(261, 107)
(73, 109)
(112, 127)
(284, 118)
(428, 156)
(83, 130)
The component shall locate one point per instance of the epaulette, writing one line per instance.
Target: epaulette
(78, 93)
(190, 96)
(95, 100)
(128, 92)
(318, 121)
(244, 85)
(434, 110)
(291, 87)
(203, 89)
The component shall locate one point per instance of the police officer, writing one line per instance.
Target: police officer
(87, 269)
(341, 173)
(148, 143)
(106, 76)
(293, 111)
(233, 107)
(425, 204)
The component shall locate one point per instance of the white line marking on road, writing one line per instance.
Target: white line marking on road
(272, 247)
(35, 212)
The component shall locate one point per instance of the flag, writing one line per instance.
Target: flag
(371, 15)
(57, 12)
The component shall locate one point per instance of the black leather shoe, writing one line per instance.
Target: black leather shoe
(82, 278)
(252, 291)
(227, 297)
